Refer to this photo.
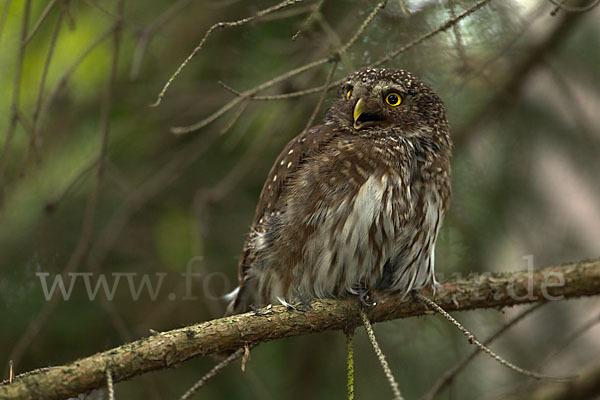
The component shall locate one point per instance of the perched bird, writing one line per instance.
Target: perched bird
(354, 204)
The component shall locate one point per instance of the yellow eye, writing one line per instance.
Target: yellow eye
(393, 99)
(348, 94)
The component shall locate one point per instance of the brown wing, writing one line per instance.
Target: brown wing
(287, 164)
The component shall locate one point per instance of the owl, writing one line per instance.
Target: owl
(354, 204)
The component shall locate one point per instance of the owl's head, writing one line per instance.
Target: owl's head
(384, 101)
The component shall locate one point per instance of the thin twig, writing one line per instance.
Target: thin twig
(69, 71)
(212, 373)
(103, 10)
(234, 118)
(445, 26)
(58, 198)
(451, 22)
(335, 39)
(117, 178)
(363, 26)
(322, 97)
(245, 164)
(179, 130)
(350, 365)
(14, 113)
(380, 356)
(309, 19)
(169, 349)
(460, 46)
(473, 340)
(110, 386)
(34, 141)
(525, 26)
(299, 93)
(39, 21)
(519, 74)
(3, 16)
(88, 219)
(571, 338)
(149, 31)
(14, 109)
(249, 93)
(449, 376)
(229, 88)
(71, 14)
(219, 25)
(284, 14)
(145, 192)
(218, 4)
(108, 93)
(246, 357)
(568, 8)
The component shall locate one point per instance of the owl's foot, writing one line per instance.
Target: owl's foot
(415, 293)
(434, 286)
(305, 302)
(257, 312)
(303, 306)
(368, 299)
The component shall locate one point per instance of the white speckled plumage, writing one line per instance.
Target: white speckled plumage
(353, 205)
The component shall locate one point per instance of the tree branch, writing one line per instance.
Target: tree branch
(168, 349)
(585, 387)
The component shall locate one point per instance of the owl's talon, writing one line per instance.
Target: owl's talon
(413, 293)
(368, 301)
(256, 311)
(302, 306)
(305, 304)
(289, 306)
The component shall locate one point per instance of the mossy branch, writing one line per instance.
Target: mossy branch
(169, 349)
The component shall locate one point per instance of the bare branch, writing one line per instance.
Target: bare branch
(473, 340)
(39, 21)
(585, 387)
(168, 349)
(449, 376)
(14, 109)
(568, 8)
(213, 372)
(384, 364)
(307, 21)
(448, 24)
(178, 130)
(83, 243)
(322, 97)
(69, 71)
(34, 141)
(3, 15)
(219, 25)
(146, 34)
(445, 26)
(53, 202)
(110, 385)
(249, 93)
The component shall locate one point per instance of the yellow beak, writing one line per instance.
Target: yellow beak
(359, 108)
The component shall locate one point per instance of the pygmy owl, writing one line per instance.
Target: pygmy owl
(355, 203)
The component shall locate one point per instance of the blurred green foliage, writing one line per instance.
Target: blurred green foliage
(525, 178)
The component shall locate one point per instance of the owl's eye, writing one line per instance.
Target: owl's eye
(393, 99)
(348, 94)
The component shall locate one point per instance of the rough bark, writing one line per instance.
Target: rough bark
(168, 349)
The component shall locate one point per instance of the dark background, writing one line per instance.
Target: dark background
(522, 88)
